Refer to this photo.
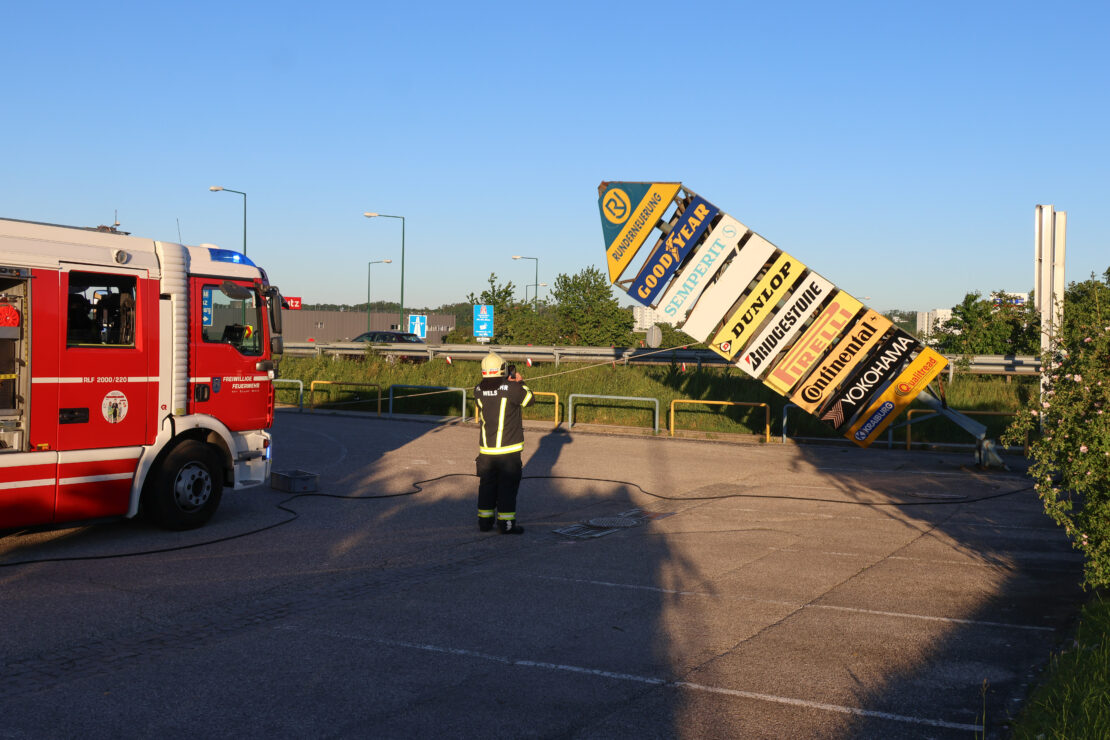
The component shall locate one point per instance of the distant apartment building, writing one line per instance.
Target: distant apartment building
(928, 321)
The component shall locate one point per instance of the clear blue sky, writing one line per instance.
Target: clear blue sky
(898, 148)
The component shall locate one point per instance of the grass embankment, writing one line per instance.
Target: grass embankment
(1073, 700)
(662, 382)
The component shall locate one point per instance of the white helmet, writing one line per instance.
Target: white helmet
(494, 367)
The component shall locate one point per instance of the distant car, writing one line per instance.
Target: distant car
(394, 337)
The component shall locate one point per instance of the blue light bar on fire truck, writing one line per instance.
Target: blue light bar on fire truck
(227, 255)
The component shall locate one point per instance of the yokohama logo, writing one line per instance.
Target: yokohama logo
(835, 415)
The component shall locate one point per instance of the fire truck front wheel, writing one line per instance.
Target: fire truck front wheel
(187, 486)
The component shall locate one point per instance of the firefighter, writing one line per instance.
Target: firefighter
(500, 397)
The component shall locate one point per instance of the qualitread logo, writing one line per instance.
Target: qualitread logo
(912, 384)
(881, 413)
(665, 258)
(626, 226)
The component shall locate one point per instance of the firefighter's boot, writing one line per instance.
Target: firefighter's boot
(509, 526)
(485, 520)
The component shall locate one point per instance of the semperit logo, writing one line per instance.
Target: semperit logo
(616, 206)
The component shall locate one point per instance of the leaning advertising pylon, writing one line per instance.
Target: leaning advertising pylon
(767, 312)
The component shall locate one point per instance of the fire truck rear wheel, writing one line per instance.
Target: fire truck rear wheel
(187, 487)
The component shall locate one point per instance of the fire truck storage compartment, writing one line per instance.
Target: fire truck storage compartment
(14, 329)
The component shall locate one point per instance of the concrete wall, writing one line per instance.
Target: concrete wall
(343, 326)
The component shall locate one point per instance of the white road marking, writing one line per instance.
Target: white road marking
(648, 680)
(793, 605)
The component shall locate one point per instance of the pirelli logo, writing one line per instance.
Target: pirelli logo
(835, 368)
(804, 355)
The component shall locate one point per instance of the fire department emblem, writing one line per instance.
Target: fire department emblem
(114, 407)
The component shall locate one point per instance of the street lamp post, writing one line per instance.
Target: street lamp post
(401, 308)
(217, 188)
(535, 305)
(374, 262)
(526, 287)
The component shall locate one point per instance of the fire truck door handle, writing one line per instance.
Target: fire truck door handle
(264, 366)
(201, 392)
(73, 416)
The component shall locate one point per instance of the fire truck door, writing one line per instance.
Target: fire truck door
(105, 379)
(229, 353)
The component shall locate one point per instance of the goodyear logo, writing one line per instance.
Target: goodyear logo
(868, 426)
(665, 259)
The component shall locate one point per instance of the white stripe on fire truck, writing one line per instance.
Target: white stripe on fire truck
(95, 478)
(136, 379)
(69, 457)
(27, 483)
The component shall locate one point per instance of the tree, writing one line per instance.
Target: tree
(587, 313)
(1071, 467)
(989, 327)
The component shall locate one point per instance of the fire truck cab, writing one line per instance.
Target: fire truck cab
(135, 376)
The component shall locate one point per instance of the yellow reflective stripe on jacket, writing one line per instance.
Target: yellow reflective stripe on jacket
(518, 447)
(501, 421)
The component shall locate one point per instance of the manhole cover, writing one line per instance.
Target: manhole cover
(612, 522)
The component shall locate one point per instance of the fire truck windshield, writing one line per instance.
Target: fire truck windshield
(234, 319)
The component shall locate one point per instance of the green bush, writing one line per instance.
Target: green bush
(1071, 466)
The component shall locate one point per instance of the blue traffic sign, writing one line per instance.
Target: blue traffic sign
(418, 325)
(483, 322)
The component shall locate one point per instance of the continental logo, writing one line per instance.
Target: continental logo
(874, 374)
(838, 364)
(627, 226)
(807, 351)
(886, 406)
(703, 265)
(667, 256)
(873, 422)
(770, 289)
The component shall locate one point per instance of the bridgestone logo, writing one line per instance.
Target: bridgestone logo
(787, 319)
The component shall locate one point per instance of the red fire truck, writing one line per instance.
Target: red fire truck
(135, 376)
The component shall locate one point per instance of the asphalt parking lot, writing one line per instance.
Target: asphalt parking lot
(663, 588)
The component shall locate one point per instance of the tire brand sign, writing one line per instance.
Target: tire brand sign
(763, 309)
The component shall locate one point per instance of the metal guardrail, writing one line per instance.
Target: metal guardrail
(427, 388)
(300, 390)
(909, 423)
(570, 405)
(766, 409)
(976, 364)
(313, 384)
